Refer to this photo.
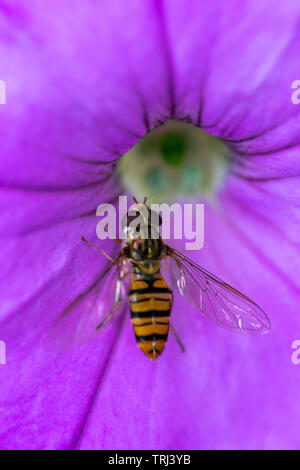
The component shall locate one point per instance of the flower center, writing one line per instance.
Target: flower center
(174, 161)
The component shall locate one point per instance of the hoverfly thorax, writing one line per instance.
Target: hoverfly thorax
(146, 254)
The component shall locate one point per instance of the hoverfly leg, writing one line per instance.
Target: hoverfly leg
(180, 344)
(117, 240)
(121, 278)
(177, 338)
(97, 247)
(109, 315)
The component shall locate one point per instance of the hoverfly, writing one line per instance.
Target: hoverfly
(151, 298)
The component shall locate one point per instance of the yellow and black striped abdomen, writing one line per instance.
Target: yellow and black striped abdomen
(150, 304)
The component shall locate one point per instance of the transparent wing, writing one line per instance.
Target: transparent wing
(78, 321)
(215, 299)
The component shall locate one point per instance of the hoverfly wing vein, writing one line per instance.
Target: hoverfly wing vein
(216, 299)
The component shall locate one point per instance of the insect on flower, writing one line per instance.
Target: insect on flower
(151, 298)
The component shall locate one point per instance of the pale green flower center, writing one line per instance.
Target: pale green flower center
(174, 161)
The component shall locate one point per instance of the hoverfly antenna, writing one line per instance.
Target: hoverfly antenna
(135, 200)
(147, 198)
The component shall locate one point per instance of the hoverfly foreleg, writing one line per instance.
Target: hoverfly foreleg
(121, 278)
(109, 315)
(97, 247)
(177, 338)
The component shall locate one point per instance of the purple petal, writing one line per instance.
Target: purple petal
(82, 88)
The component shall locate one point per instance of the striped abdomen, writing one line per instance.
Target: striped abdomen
(150, 304)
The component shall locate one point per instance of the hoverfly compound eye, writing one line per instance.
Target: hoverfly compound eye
(137, 215)
(156, 219)
(131, 221)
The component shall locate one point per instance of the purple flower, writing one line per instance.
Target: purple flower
(84, 82)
